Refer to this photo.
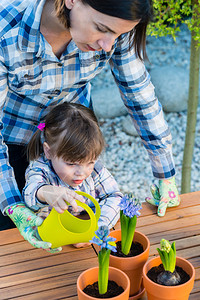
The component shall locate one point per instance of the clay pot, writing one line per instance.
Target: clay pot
(132, 266)
(160, 292)
(91, 275)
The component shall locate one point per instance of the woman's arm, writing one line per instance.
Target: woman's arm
(139, 97)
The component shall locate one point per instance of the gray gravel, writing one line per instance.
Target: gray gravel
(125, 155)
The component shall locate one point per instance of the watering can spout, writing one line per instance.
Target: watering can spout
(64, 229)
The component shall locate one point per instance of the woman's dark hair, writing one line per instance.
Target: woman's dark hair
(133, 10)
(72, 133)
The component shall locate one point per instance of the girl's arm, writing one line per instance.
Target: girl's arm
(41, 189)
(58, 197)
(36, 177)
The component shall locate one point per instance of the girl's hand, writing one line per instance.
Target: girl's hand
(82, 245)
(58, 197)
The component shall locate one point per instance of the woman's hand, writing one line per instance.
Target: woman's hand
(58, 197)
(26, 222)
(166, 195)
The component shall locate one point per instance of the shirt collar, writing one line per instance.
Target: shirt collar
(29, 39)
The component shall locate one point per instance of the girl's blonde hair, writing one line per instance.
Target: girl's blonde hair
(72, 133)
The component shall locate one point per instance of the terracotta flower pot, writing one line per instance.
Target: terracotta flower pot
(132, 266)
(91, 275)
(160, 292)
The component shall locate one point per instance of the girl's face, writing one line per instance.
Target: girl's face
(92, 30)
(71, 173)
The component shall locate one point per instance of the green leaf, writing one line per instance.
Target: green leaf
(103, 259)
(162, 257)
(130, 234)
(171, 266)
(124, 230)
(174, 254)
(166, 260)
(168, 15)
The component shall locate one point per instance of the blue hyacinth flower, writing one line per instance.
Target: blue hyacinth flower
(103, 240)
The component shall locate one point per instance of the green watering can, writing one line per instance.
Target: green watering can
(64, 229)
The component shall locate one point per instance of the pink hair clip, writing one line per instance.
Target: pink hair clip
(41, 126)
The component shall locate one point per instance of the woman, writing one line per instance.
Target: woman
(50, 50)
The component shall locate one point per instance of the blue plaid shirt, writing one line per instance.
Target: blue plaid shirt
(33, 80)
(100, 184)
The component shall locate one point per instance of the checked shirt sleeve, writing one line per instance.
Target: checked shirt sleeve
(143, 106)
(108, 194)
(36, 176)
(9, 193)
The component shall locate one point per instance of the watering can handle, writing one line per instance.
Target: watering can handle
(97, 207)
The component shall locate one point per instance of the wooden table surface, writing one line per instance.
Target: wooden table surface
(29, 273)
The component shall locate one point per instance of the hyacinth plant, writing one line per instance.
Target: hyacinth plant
(129, 211)
(167, 254)
(107, 245)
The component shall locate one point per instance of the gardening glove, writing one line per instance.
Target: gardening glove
(166, 195)
(26, 222)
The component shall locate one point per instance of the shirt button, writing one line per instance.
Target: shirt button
(60, 64)
(97, 56)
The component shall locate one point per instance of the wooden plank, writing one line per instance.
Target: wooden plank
(195, 261)
(39, 285)
(53, 294)
(197, 273)
(71, 298)
(20, 265)
(47, 272)
(10, 236)
(181, 244)
(167, 226)
(169, 217)
(24, 246)
(23, 257)
(196, 288)
(174, 234)
(15, 247)
(36, 254)
(189, 252)
(194, 296)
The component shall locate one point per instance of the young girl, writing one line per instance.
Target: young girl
(63, 155)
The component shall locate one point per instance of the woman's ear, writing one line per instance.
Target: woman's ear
(47, 150)
(69, 3)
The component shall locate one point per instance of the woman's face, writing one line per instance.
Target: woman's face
(92, 30)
